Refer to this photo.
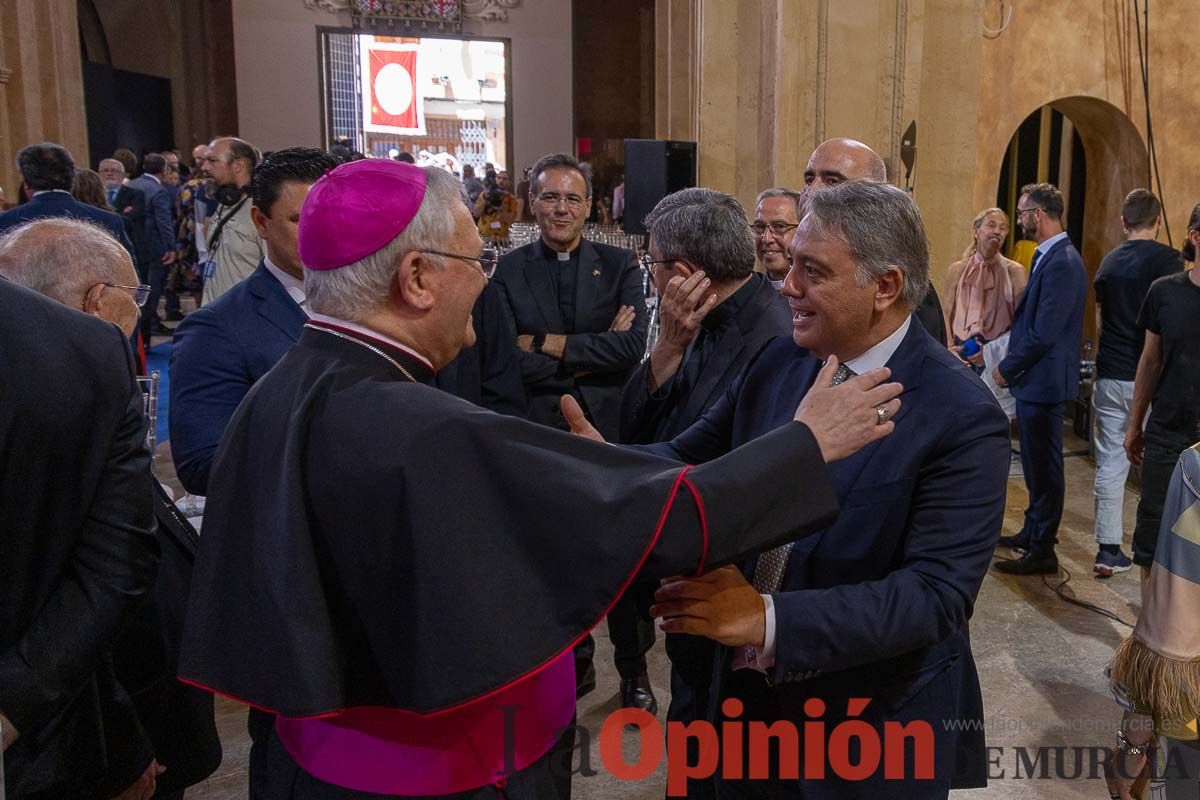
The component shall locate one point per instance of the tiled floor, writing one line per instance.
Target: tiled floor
(1040, 658)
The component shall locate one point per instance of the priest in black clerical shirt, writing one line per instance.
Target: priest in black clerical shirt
(715, 314)
(578, 307)
(400, 575)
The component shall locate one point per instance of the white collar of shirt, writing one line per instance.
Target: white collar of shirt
(881, 353)
(293, 286)
(49, 191)
(371, 334)
(1045, 246)
(155, 178)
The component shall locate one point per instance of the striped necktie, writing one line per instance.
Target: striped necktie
(771, 564)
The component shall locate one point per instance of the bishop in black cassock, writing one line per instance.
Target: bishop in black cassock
(392, 570)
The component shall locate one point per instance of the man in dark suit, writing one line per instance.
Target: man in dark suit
(82, 267)
(715, 313)
(1042, 371)
(158, 232)
(579, 311)
(877, 606)
(221, 349)
(77, 532)
(129, 203)
(48, 174)
(578, 307)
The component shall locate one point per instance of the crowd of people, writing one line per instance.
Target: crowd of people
(415, 512)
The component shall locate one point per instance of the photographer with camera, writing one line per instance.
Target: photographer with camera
(496, 207)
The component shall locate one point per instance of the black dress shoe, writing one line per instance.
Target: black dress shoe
(636, 693)
(1029, 564)
(586, 682)
(1016, 542)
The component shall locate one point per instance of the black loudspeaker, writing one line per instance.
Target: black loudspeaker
(654, 168)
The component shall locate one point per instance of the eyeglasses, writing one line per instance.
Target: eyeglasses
(1021, 211)
(777, 229)
(487, 260)
(648, 263)
(573, 201)
(141, 292)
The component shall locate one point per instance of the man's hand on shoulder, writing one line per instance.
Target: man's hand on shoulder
(847, 417)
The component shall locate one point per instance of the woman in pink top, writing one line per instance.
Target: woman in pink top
(983, 288)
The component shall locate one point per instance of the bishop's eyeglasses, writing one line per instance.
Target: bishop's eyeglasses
(487, 260)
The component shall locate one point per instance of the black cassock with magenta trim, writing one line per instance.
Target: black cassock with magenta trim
(390, 568)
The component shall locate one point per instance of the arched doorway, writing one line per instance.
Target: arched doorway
(1093, 152)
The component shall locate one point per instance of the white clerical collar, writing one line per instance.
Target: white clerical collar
(370, 334)
(879, 355)
(292, 285)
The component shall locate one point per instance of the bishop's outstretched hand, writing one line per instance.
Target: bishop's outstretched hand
(574, 416)
(847, 417)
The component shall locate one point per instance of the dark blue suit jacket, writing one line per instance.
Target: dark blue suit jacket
(877, 605)
(218, 352)
(1042, 365)
(62, 204)
(158, 222)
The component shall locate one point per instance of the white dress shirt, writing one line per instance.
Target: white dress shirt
(1044, 248)
(874, 358)
(292, 285)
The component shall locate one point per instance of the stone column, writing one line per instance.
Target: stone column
(43, 91)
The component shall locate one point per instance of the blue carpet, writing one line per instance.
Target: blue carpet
(157, 359)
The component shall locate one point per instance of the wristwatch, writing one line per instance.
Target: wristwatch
(1128, 749)
(538, 340)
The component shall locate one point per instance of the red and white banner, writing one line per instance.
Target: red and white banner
(391, 91)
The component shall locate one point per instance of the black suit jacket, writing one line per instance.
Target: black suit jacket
(62, 204)
(597, 361)
(487, 373)
(130, 204)
(77, 534)
(646, 419)
(877, 605)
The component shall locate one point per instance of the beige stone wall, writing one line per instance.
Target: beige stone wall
(758, 82)
(279, 101)
(41, 82)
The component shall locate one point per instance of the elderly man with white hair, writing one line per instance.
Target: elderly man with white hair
(77, 263)
(400, 575)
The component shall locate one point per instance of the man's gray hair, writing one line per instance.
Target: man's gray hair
(62, 258)
(705, 228)
(354, 291)
(793, 195)
(560, 161)
(104, 161)
(882, 227)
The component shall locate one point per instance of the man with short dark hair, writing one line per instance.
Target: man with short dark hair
(876, 606)
(1042, 371)
(715, 314)
(158, 236)
(48, 174)
(234, 248)
(222, 348)
(1121, 284)
(776, 217)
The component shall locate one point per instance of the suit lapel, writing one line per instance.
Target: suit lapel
(587, 281)
(541, 288)
(1036, 278)
(275, 304)
(906, 365)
